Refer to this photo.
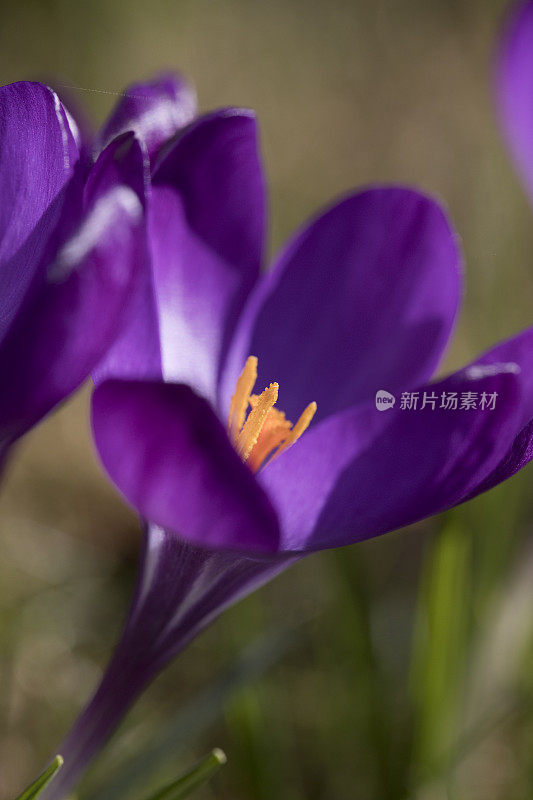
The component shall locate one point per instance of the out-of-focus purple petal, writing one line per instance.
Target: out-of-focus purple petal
(75, 312)
(165, 449)
(514, 89)
(121, 163)
(38, 155)
(180, 589)
(154, 110)
(135, 353)
(80, 124)
(365, 472)
(517, 350)
(518, 456)
(364, 298)
(216, 169)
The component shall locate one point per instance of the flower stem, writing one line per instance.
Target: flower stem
(180, 590)
(115, 695)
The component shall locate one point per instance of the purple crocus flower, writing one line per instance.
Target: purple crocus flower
(362, 299)
(70, 233)
(514, 89)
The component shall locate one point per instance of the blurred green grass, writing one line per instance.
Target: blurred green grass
(406, 666)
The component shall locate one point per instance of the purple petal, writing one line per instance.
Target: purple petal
(154, 111)
(75, 311)
(364, 297)
(38, 154)
(169, 455)
(518, 350)
(194, 288)
(519, 454)
(215, 169)
(207, 197)
(136, 352)
(180, 590)
(79, 122)
(514, 90)
(365, 472)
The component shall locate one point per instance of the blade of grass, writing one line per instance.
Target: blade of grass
(200, 712)
(192, 780)
(368, 671)
(496, 520)
(254, 733)
(439, 650)
(40, 783)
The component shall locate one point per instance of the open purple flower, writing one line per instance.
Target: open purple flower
(70, 235)
(362, 299)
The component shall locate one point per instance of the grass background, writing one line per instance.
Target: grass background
(401, 668)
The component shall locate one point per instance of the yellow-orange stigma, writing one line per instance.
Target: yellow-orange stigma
(265, 433)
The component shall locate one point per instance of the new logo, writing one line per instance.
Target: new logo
(384, 400)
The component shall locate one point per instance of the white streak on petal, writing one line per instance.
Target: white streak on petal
(478, 371)
(64, 134)
(150, 565)
(166, 117)
(73, 127)
(105, 214)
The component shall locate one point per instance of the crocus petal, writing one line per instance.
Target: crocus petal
(187, 304)
(193, 289)
(518, 350)
(168, 454)
(154, 111)
(215, 169)
(75, 312)
(38, 154)
(136, 352)
(355, 476)
(180, 589)
(80, 124)
(518, 456)
(514, 90)
(363, 298)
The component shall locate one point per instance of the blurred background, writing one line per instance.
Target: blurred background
(400, 668)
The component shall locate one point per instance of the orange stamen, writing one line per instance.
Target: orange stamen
(241, 396)
(300, 428)
(274, 433)
(265, 433)
(256, 419)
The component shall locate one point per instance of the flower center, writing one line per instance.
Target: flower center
(265, 433)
